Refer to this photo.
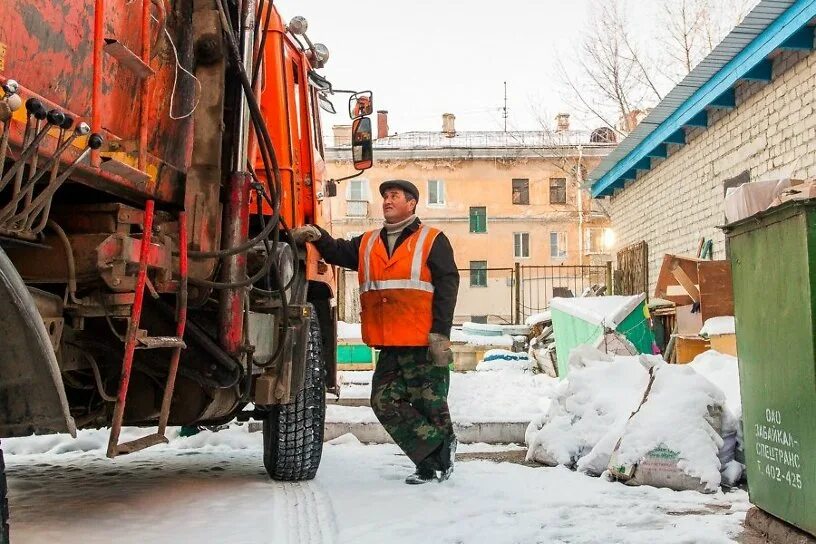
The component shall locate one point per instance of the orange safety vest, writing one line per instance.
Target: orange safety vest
(396, 293)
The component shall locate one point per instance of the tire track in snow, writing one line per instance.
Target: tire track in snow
(306, 515)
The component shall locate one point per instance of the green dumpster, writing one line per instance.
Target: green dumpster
(599, 322)
(773, 263)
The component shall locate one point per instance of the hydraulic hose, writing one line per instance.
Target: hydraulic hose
(271, 167)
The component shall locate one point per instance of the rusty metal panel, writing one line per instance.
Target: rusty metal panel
(49, 48)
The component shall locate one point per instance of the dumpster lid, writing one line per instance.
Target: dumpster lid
(607, 311)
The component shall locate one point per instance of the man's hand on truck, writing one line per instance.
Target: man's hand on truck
(306, 233)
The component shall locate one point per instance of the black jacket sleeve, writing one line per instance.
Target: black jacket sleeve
(337, 251)
(445, 279)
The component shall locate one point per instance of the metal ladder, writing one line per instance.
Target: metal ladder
(136, 338)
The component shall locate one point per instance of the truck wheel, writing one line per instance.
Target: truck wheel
(293, 433)
(4, 508)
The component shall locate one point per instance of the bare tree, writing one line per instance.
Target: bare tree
(611, 77)
(691, 29)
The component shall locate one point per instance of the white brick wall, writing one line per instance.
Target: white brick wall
(771, 131)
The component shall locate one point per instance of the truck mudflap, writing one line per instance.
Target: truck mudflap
(32, 396)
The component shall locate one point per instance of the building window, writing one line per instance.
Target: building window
(521, 191)
(521, 245)
(357, 189)
(558, 190)
(558, 245)
(478, 219)
(594, 240)
(478, 273)
(436, 192)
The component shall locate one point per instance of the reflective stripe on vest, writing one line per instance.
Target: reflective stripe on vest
(366, 284)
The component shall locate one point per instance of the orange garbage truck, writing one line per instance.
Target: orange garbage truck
(154, 155)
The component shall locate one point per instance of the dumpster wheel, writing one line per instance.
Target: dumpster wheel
(293, 433)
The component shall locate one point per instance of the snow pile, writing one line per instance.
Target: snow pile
(600, 394)
(501, 359)
(650, 422)
(535, 319)
(680, 425)
(717, 326)
(723, 371)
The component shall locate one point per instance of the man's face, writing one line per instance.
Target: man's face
(397, 205)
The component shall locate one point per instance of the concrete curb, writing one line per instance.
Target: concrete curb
(348, 401)
(487, 433)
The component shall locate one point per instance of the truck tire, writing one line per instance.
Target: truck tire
(4, 508)
(293, 433)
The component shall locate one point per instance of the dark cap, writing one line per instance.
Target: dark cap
(406, 186)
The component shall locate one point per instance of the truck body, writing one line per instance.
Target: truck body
(154, 156)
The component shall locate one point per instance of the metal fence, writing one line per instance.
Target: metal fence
(540, 284)
(498, 295)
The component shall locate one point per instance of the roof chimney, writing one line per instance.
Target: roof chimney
(562, 122)
(342, 135)
(449, 125)
(382, 124)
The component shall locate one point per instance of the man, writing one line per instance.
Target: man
(408, 289)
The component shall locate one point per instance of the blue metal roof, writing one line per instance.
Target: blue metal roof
(742, 55)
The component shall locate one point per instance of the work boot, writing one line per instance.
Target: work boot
(447, 458)
(423, 474)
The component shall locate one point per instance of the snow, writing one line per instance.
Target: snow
(220, 493)
(503, 393)
(717, 326)
(458, 336)
(502, 359)
(607, 311)
(589, 417)
(349, 331)
(599, 395)
(723, 371)
(484, 329)
(675, 416)
(535, 319)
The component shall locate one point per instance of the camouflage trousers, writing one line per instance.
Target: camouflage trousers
(409, 395)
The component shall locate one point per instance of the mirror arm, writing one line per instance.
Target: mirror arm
(359, 173)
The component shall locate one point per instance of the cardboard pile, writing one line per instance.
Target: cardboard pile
(701, 290)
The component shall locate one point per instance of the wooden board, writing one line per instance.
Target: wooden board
(716, 291)
(689, 347)
(725, 343)
(668, 286)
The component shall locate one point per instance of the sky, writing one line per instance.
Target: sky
(423, 58)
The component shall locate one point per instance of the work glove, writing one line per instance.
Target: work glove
(306, 233)
(439, 349)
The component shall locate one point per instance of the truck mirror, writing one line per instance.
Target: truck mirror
(362, 147)
(361, 104)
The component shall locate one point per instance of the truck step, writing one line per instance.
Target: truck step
(158, 342)
(141, 443)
